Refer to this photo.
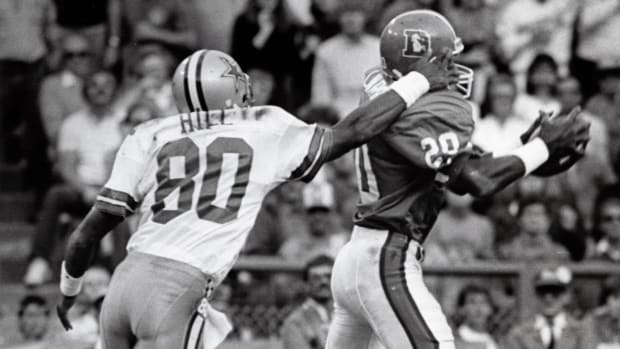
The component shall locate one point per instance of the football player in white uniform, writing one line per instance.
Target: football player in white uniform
(198, 180)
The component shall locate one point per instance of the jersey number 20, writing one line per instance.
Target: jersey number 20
(181, 157)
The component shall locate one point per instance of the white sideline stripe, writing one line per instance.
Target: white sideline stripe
(429, 308)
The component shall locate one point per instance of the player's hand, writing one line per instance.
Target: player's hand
(62, 310)
(440, 70)
(565, 133)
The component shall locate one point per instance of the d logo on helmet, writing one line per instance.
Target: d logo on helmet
(417, 43)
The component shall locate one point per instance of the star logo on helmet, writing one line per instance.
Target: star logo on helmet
(233, 72)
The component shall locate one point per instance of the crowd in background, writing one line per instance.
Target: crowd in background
(77, 76)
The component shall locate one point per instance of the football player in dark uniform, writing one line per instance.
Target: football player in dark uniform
(380, 297)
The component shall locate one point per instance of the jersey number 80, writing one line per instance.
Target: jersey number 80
(186, 149)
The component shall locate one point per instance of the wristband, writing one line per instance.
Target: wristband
(532, 154)
(411, 87)
(69, 286)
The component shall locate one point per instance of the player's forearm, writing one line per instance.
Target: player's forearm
(374, 117)
(487, 175)
(82, 243)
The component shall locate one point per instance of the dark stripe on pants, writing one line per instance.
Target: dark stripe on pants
(394, 283)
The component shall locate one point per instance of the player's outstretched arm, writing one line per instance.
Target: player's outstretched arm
(79, 253)
(486, 175)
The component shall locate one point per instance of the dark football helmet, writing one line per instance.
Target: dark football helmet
(411, 35)
(210, 79)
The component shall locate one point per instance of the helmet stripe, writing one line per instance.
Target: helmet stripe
(191, 72)
(186, 85)
(199, 82)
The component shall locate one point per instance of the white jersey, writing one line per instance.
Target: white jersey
(200, 179)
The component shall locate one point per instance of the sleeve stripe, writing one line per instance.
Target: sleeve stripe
(311, 156)
(326, 144)
(119, 196)
(112, 209)
(115, 203)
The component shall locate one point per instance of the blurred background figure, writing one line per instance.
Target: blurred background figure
(474, 21)
(28, 28)
(546, 29)
(263, 37)
(62, 92)
(474, 310)
(533, 241)
(499, 129)
(540, 89)
(160, 25)
(597, 25)
(605, 239)
(325, 235)
(151, 80)
(449, 243)
(99, 21)
(263, 85)
(602, 325)
(342, 60)
(306, 327)
(33, 322)
(552, 326)
(84, 142)
(605, 105)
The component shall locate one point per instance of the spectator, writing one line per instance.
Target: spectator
(400, 6)
(605, 104)
(598, 25)
(540, 90)
(84, 142)
(546, 29)
(602, 326)
(567, 229)
(325, 236)
(552, 326)
(452, 239)
(306, 327)
(157, 25)
(594, 170)
(308, 37)
(263, 38)
(499, 129)
(263, 85)
(281, 216)
(605, 242)
(26, 26)
(152, 83)
(33, 319)
(97, 20)
(61, 93)
(533, 242)
(474, 21)
(475, 307)
(342, 61)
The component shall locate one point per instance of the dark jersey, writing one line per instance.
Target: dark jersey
(402, 174)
